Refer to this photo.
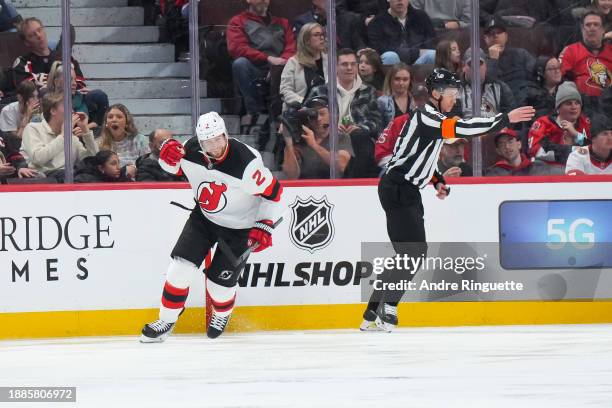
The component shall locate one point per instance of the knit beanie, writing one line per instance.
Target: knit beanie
(567, 91)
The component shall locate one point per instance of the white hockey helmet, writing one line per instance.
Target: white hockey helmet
(210, 125)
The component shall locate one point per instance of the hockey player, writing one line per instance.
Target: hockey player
(411, 167)
(237, 201)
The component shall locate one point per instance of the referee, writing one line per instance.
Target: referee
(412, 166)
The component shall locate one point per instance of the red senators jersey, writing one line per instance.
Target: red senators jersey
(234, 191)
(592, 73)
(383, 150)
(546, 126)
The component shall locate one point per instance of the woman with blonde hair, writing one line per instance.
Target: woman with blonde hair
(55, 83)
(397, 99)
(120, 135)
(306, 69)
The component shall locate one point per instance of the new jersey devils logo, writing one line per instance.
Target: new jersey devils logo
(211, 196)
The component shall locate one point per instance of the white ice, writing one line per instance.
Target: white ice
(509, 366)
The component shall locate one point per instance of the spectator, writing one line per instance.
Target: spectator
(36, 66)
(448, 55)
(43, 143)
(15, 116)
(548, 77)
(12, 163)
(446, 14)
(397, 99)
(9, 18)
(383, 149)
(310, 158)
(260, 45)
(102, 168)
(404, 31)
(496, 96)
(353, 18)
(148, 168)
(514, 66)
(358, 114)
(512, 162)
(604, 7)
(551, 138)
(316, 14)
(120, 135)
(524, 13)
(55, 83)
(452, 159)
(589, 62)
(308, 68)
(371, 69)
(597, 157)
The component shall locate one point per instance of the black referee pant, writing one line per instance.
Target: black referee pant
(403, 207)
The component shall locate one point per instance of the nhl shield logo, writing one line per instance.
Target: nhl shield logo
(311, 223)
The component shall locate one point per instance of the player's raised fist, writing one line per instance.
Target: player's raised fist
(171, 152)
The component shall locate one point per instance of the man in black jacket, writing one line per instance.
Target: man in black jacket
(404, 31)
(148, 164)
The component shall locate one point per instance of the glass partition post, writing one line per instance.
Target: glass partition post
(331, 85)
(476, 89)
(194, 51)
(67, 78)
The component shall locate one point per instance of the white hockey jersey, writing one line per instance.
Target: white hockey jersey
(582, 161)
(233, 192)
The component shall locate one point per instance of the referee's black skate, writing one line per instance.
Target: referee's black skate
(156, 332)
(217, 324)
(369, 321)
(387, 317)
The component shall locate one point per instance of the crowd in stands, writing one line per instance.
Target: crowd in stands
(555, 55)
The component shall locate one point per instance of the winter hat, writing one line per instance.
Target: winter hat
(567, 91)
(600, 123)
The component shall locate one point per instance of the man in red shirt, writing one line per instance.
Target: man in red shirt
(260, 45)
(589, 62)
(551, 138)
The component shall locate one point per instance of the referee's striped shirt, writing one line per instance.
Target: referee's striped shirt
(415, 156)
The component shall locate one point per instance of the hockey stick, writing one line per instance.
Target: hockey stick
(237, 261)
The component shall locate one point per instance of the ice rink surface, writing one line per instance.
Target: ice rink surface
(508, 366)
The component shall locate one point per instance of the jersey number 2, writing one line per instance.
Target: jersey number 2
(258, 177)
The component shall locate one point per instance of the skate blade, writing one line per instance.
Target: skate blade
(386, 327)
(367, 325)
(160, 339)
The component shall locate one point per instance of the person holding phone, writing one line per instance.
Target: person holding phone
(43, 143)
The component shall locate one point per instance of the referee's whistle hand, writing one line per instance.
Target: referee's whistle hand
(522, 114)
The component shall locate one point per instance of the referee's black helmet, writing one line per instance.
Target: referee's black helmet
(440, 79)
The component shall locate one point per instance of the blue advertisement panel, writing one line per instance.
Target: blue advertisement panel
(555, 234)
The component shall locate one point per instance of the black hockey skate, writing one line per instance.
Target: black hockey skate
(370, 321)
(387, 317)
(217, 324)
(157, 331)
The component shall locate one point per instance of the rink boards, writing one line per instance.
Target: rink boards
(82, 260)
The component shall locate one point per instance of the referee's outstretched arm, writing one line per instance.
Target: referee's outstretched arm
(448, 128)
